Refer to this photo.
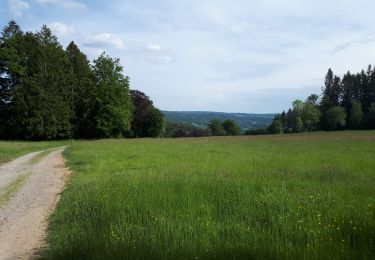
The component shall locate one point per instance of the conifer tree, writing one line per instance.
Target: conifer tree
(42, 106)
(83, 85)
(347, 85)
(283, 120)
(289, 121)
(371, 117)
(11, 70)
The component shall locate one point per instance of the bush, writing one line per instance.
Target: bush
(258, 131)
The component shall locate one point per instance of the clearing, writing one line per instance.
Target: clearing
(308, 196)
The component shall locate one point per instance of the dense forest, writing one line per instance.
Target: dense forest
(47, 92)
(345, 103)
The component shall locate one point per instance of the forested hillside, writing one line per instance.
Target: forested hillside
(202, 119)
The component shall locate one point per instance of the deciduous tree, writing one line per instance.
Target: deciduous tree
(112, 110)
(231, 127)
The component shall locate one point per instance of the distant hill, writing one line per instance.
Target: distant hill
(202, 118)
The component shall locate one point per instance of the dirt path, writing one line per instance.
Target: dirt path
(23, 221)
(10, 171)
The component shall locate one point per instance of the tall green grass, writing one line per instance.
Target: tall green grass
(12, 149)
(308, 196)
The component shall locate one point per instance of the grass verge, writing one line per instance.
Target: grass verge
(13, 149)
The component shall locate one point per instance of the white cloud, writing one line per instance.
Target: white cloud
(165, 59)
(154, 47)
(17, 7)
(104, 40)
(61, 29)
(251, 49)
(69, 4)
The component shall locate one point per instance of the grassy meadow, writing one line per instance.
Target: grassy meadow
(281, 197)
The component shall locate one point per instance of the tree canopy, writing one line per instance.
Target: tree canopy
(347, 103)
(47, 92)
(148, 121)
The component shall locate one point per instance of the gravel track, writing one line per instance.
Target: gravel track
(23, 220)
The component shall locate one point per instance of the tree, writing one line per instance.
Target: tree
(289, 121)
(216, 127)
(147, 121)
(355, 116)
(276, 127)
(347, 85)
(112, 110)
(371, 116)
(336, 92)
(299, 125)
(155, 123)
(11, 69)
(231, 127)
(184, 130)
(283, 120)
(257, 131)
(351, 97)
(298, 107)
(42, 105)
(83, 85)
(365, 89)
(311, 113)
(335, 118)
(332, 90)
(312, 99)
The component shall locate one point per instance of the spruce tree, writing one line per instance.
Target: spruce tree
(83, 85)
(332, 92)
(365, 89)
(370, 117)
(347, 85)
(11, 70)
(42, 102)
(336, 93)
(289, 121)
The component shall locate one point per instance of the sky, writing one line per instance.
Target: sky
(251, 56)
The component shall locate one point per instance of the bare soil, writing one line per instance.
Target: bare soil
(23, 220)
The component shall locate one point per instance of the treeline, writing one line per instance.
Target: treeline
(345, 103)
(216, 127)
(47, 92)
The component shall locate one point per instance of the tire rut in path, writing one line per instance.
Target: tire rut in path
(23, 221)
(11, 170)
